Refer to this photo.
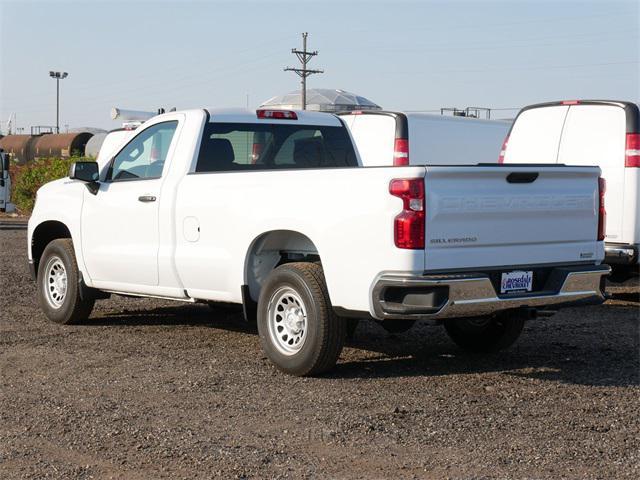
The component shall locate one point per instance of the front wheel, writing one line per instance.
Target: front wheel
(298, 329)
(485, 334)
(59, 288)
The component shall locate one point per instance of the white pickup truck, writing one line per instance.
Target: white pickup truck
(273, 210)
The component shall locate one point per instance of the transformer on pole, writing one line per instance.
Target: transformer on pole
(304, 56)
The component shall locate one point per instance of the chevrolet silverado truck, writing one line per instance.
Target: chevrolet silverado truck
(273, 210)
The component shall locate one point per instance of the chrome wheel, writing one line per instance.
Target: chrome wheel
(287, 320)
(55, 282)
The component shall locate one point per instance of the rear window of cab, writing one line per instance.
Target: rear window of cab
(246, 146)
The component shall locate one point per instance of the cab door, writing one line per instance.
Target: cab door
(120, 224)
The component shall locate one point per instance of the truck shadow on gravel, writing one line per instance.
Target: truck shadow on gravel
(230, 319)
(626, 296)
(578, 366)
(566, 352)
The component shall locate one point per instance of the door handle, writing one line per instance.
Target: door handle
(146, 198)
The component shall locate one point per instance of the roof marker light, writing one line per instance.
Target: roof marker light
(277, 114)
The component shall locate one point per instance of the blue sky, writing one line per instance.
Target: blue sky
(415, 55)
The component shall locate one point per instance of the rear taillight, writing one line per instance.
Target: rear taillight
(571, 102)
(400, 152)
(632, 150)
(408, 226)
(503, 149)
(602, 213)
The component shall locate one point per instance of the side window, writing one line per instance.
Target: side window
(144, 155)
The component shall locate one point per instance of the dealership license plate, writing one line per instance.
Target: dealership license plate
(516, 282)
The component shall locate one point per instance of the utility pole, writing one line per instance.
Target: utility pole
(58, 76)
(304, 56)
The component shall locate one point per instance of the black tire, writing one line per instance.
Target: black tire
(485, 335)
(74, 305)
(620, 273)
(324, 333)
(397, 326)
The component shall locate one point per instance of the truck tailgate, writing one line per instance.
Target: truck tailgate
(510, 215)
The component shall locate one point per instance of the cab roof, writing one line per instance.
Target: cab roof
(240, 115)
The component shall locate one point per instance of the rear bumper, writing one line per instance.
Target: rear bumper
(620, 254)
(473, 294)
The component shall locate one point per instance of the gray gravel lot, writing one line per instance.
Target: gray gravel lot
(153, 389)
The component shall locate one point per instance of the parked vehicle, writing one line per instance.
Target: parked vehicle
(394, 138)
(590, 132)
(272, 210)
(114, 139)
(112, 143)
(5, 184)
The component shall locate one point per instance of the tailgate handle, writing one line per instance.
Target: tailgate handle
(522, 177)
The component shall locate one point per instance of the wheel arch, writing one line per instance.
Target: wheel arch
(43, 234)
(271, 249)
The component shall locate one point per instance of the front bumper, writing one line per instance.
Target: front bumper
(473, 294)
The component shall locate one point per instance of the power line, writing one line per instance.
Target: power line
(304, 56)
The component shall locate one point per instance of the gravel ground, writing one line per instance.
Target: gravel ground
(153, 389)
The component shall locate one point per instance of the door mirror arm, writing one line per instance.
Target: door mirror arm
(93, 187)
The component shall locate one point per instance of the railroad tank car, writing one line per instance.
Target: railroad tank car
(20, 147)
(62, 145)
(93, 145)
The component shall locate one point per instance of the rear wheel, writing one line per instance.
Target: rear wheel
(298, 329)
(485, 334)
(397, 326)
(61, 296)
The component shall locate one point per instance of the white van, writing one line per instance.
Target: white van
(386, 138)
(112, 143)
(590, 132)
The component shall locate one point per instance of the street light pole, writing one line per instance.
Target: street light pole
(58, 76)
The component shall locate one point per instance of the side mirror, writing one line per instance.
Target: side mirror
(86, 172)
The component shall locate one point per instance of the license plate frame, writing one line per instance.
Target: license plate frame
(516, 281)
